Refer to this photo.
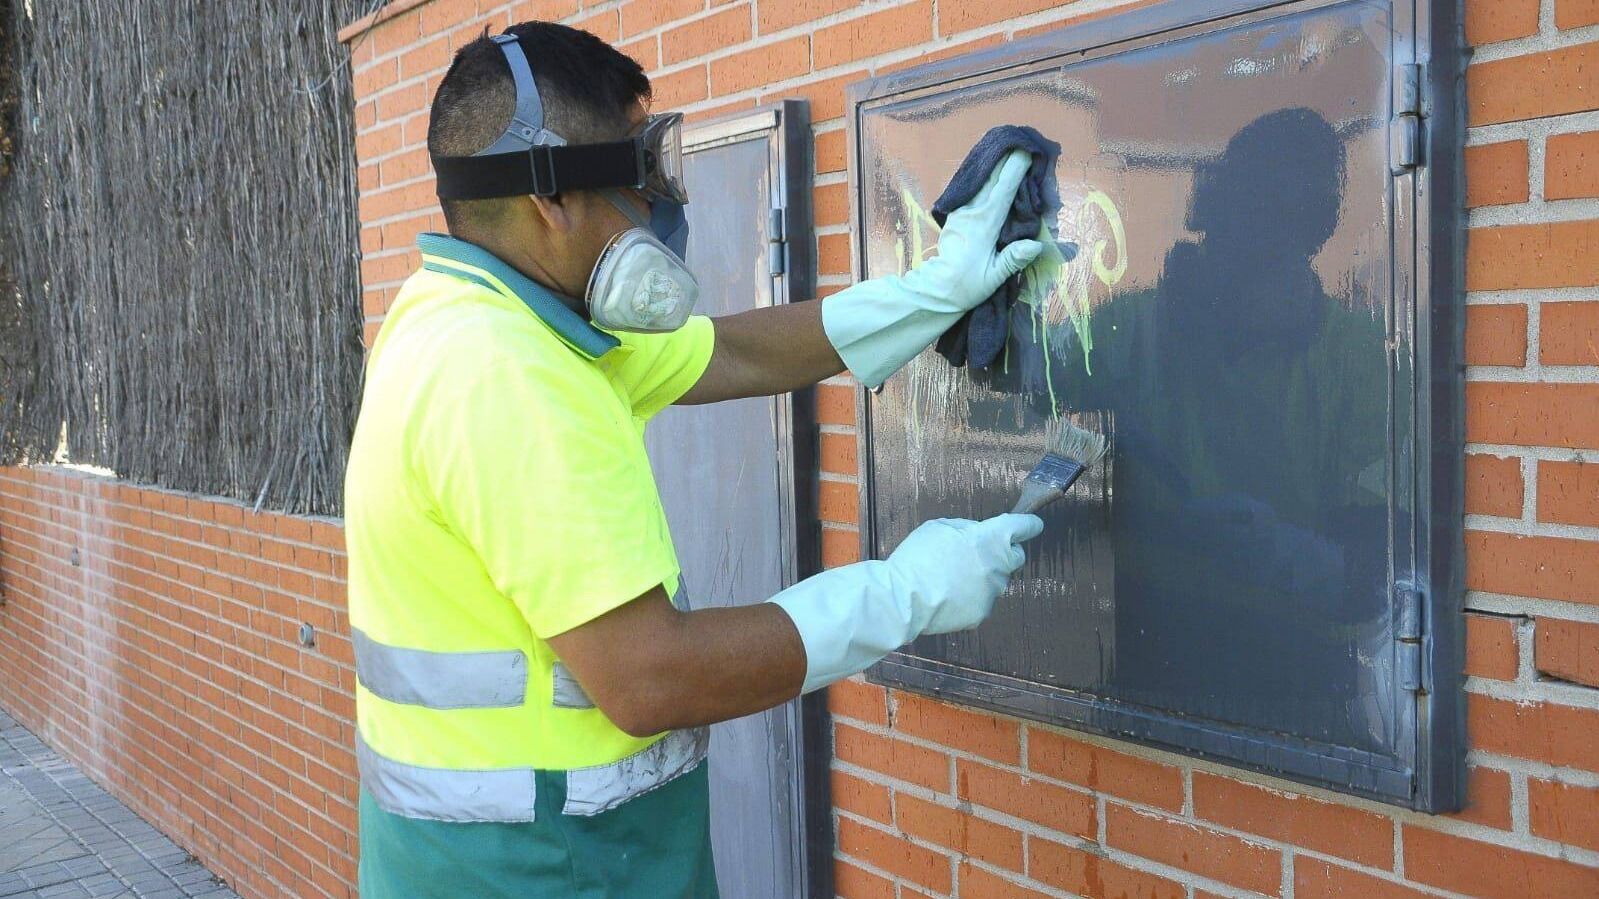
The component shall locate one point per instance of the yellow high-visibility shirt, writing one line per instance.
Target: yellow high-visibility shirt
(499, 494)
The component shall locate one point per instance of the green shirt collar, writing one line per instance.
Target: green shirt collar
(453, 256)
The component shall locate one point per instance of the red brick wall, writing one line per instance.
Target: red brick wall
(152, 637)
(932, 800)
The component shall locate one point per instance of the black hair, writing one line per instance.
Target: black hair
(587, 87)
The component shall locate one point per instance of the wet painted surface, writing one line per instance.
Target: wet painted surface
(1230, 325)
(718, 473)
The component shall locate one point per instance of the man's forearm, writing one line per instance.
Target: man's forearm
(651, 667)
(767, 351)
(732, 662)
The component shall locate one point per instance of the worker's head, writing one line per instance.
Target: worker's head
(591, 93)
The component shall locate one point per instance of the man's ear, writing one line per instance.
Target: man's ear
(553, 212)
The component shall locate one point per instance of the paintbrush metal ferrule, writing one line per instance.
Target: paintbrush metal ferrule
(1049, 480)
(1069, 451)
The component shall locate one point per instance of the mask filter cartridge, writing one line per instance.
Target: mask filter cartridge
(640, 285)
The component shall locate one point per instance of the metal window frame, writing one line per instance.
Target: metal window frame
(785, 125)
(1432, 778)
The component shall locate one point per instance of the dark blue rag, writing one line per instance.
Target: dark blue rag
(979, 337)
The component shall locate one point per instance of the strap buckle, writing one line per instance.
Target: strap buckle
(541, 165)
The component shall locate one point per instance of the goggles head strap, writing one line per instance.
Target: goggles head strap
(526, 128)
(528, 158)
(541, 171)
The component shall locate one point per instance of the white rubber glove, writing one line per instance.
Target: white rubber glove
(879, 325)
(944, 577)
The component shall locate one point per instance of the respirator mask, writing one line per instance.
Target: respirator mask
(640, 282)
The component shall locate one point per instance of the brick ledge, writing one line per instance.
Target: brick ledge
(389, 11)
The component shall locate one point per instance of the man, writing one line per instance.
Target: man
(531, 705)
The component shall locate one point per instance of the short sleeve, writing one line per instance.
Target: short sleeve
(662, 367)
(542, 472)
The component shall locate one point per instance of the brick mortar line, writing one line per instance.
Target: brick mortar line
(383, 253)
(1397, 818)
(1034, 829)
(1104, 800)
(1017, 878)
(1519, 528)
(1526, 663)
(153, 741)
(1537, 168)
(1535, 453)
(898, 881)
(390, 10)
(223, 711)
(379, 224)
(1533, 295)
(1542, 42)
(1534, 359)
(1398, 815)
(397, 152)
(112, 599)
(1561, 693)
(1481, 758)
(1536, 211)
(1507, 604)
(1536, 130)
(121, 601)
(1533, 373)
(396, 218)
(1520, 804)
(379, 124)
(67, 473)
(88, 769)
(160, 639)
(175, 538)
(382, 285)
(1121, 856)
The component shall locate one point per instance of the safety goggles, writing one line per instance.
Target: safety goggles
(530, 159)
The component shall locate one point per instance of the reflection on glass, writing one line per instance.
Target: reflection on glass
(1227, 325)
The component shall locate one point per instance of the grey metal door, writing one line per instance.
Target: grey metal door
(1259, 326)
(735, 480)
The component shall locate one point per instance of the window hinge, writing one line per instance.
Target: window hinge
(1412, 657)
(775, 238)
(1405, 132)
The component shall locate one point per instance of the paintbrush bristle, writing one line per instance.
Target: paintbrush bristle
(1080, 445)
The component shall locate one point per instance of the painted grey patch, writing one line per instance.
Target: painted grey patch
(440, 680)
(590, 791)
(503, 795)
(567, 693)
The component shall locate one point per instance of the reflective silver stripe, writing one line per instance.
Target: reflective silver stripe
(440, 680)
(590, 791)
(442, 794)
(568, 693)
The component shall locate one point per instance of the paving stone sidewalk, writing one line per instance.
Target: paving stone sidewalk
(62, 837)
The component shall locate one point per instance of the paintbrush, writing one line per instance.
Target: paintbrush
(1068, 452)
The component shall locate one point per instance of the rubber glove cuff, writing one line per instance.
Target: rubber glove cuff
(879, 325)
(944, 577)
